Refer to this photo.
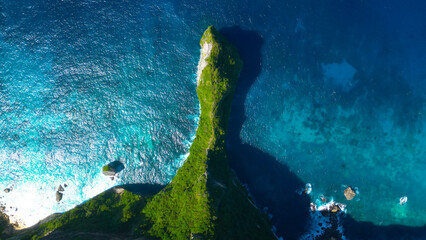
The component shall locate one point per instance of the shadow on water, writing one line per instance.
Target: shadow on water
(270, 182)
(366, 230)
(142, 188)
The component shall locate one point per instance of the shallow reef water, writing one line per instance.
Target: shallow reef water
(84, 84)
(349, 115)
(339, 100)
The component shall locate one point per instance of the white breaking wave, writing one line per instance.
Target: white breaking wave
(329, 206)
(403, 200)
(28, 202)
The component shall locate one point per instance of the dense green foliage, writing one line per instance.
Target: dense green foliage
(4, 224)
(110, 212)
(205, 199)
(105, 168)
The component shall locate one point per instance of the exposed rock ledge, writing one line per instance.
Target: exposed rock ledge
(205, 53)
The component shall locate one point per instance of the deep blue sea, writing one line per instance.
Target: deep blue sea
(339, 98)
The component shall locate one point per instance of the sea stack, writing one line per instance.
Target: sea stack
(58, 196)
(112, 168)
(349, 193)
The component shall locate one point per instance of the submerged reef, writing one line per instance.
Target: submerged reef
(204, 200)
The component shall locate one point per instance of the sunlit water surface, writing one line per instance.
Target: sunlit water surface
(340, 99)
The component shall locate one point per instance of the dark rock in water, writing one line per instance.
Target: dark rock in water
(6, 190)
(65, 185)
(58, 196)
(349, 193)
(60, 188)
(112, 168)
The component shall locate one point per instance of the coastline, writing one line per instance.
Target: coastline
(205, 199)
(221, 201)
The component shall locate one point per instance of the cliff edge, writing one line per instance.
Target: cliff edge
(205, 200)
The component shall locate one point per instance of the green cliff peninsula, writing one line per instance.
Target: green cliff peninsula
(203, 201)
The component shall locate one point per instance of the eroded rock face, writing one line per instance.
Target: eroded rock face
(349, 193)
(58, 196)
(5, 227)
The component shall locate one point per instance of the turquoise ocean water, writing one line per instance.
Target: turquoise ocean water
(340, 99)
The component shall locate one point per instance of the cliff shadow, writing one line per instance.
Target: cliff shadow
(365, 230)
(270, 183)
(142, 188)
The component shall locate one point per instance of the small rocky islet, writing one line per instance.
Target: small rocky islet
(349, 193)
(112, 168)
(59, 193)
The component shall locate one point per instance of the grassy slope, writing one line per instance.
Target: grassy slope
(204, 199)
(4, 224)
(110, 212)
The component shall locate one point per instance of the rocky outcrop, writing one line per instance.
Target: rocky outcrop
(112, 168)
(335, 209)
(59, 196)
(59, 193)
(5, 227)
(349, 193)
